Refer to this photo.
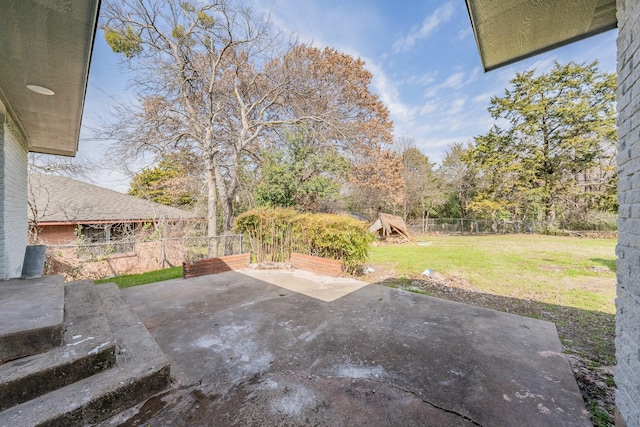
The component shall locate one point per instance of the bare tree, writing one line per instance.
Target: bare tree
(185, 55)
(215, 78)
(422, 186)
(458, 178)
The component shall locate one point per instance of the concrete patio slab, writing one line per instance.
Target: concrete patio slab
(313, 285)
(247, 352)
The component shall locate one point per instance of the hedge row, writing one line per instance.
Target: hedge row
(276, 233)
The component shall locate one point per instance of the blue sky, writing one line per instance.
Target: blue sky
(423, 56)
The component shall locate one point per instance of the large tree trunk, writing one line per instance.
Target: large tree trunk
(227, 189)
(226, 201)
(227, 224)
(227, 214)
(227, 193)
(212, 217)
(548, 173)
(550, 212)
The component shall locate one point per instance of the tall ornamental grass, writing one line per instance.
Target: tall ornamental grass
(275, 233)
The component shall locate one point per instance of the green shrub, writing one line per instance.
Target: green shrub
(275, 233)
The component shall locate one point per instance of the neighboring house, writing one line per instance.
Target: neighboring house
(64, 210)
(44, 65)
(510, 30)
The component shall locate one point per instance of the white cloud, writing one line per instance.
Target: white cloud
(422, 79)
(388, 93)
(454, 81)
(440, 16)
(457, 106)
(483, 98)
(428, 108)
(436, 147)
(464, 33)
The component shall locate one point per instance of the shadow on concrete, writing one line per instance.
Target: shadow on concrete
(587, 336)
(588, 333)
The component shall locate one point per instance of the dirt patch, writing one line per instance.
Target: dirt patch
(592, 284)
(587, 336)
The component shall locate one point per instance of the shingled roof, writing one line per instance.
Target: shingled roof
(64, 200)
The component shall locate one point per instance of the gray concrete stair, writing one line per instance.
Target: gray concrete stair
(31, 316)
(88, 347)
(140, 369)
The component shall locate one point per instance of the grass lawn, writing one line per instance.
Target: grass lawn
(565, 271)
(144, 278)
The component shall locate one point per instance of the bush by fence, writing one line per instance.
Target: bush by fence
(275, 233)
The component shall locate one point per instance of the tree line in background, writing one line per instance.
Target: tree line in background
(550, 158)
(239, 117)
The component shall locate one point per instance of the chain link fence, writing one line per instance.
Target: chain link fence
(473, 226)
(115, 258)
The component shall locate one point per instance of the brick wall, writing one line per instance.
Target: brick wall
(13, 198)
(628, 249)
(204, 267)
(3, 261)
(325, 266)
(58, 234)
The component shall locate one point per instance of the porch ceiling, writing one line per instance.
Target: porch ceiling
(47, 43)
(507, 31)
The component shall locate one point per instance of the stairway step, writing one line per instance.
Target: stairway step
(141, 370)
(31, 316)
(88, 347)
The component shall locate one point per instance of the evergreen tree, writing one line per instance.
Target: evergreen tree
(551, 152)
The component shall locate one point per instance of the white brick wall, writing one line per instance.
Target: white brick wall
(2, 227)
(13, 198)
(628, 250)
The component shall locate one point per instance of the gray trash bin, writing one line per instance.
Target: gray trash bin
(33, 264)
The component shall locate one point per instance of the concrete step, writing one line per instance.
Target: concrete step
(31, 316)
(141, 370)
(88, 347)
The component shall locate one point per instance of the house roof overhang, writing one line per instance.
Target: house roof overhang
(507, 31)
(47, 43)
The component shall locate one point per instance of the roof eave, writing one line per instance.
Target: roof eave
(48, 44)
(547, 49)
(513, 30)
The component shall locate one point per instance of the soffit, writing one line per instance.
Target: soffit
(47, 43)
(507, 31)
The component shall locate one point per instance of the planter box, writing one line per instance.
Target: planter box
(316, 264)
(204, 267)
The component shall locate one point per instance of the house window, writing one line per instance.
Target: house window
(100, 240)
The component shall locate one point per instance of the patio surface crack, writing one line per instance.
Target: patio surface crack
(450, 411)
